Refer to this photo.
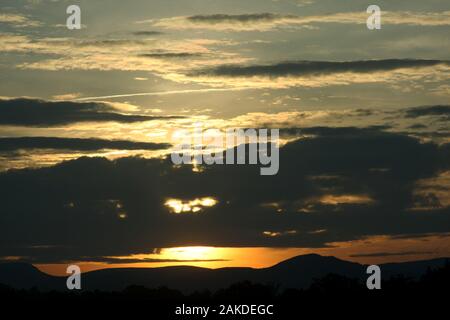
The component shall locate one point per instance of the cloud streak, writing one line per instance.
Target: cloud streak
(169, 55)
(40, 113)
(78, 144)
(268, 21)
(160, 93)
(306, 68)
(116, 54)
(18, 20)
(440, 110)
(320, 73)
(389, 254)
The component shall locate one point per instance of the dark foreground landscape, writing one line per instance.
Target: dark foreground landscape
(300, 283)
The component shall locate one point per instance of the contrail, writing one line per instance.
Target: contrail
(160, 93)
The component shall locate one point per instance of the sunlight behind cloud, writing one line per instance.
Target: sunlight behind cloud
(192, 206)
(345, 199)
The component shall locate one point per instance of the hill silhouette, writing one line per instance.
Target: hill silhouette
(298, 273)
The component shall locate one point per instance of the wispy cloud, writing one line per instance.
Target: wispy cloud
(268, 21)
(441, 110)
(302, 68)
(320, 73)
(389, 254)
(128, 54)
(91, 144)
(169, 55)
(147, 33)
(18, 20)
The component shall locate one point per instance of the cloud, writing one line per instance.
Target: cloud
(307, 68)
(439, 110)
(18, 20)
(226, 22)
(144, 260)
(255, 17)
(213, 66)
(389, 254)
(169, 55)
(97, 53)
(92, 144)
(433, 193)
(319, 73)
(269, 21)
(48, 259)
(294, 125)
(147, 33)
(40, 113)
(67, 96)
(72, 203)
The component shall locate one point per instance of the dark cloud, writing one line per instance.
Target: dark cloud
(417, 126)
(340, 131)
(439, 110)
(90, 144)
(147, 33)
(169, 55)
(40, 113)
(389, 254)
(94, 207)
(239, 18)
(49, 258)
(420, 235)
(110, 42)
(435, 135)
(306, 68)
(110, 260)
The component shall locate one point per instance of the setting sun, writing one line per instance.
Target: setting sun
(191, 253)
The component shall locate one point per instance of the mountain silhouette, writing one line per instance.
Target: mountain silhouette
(298, 272)
(26, 276)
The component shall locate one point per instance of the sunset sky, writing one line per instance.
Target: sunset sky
(87, 120)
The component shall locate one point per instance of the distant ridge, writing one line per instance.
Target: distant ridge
(26, 276)
(297, 272)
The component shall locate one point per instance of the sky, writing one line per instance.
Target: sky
(87, 120)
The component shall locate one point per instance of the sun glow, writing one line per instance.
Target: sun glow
(362, 251)
(345, 199)
(190, 253)
(192, 206)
